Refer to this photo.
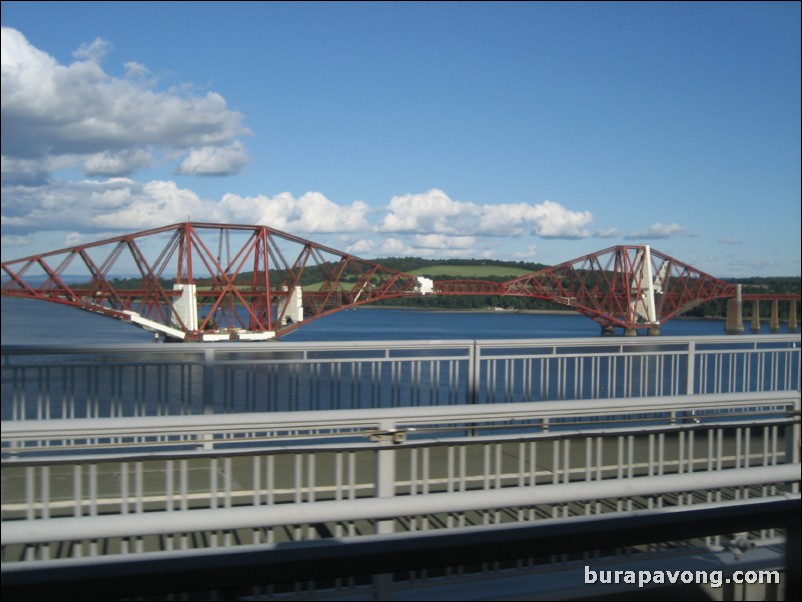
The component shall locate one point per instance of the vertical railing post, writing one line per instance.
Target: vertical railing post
(793, 441)
(385, 468)
(208, 391)
(690, 374)
(474, 372)
(208, 381)
(385, 488)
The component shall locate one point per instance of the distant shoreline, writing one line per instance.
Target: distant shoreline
(471, 311)
(545, 312)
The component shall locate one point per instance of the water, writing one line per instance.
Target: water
(26, 321)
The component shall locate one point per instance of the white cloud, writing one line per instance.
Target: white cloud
(430, 212)
(149, 206)
(552, 220)
(80, 112)
(134, 70)
(443, 242)
(433, 212)
(312, 212)
(607, 233)
(124, 205)
(94, 51)
(115, 164)
(361, 247)
(86, 206)
(658, 231)
(15, 241)
(394, 246)
(215, 161)
(73, 239)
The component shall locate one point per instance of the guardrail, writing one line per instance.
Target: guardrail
(187, 379)
(127, 456)
(90, 474)
(492, 561)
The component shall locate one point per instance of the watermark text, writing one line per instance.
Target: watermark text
(643, 578)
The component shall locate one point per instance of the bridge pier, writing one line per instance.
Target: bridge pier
(607, 330)
(654, 331)
(630, 332)
(774, 321)
(755, 316)
(735, 322)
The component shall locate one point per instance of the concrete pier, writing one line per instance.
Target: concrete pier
(774, 321)
(735, 322)
(755, 326)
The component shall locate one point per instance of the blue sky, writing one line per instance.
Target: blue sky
(524, 131)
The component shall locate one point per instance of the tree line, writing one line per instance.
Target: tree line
(314, 274)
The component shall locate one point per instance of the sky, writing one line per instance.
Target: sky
(515, 131)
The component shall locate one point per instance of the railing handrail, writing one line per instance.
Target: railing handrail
(98, 427)
(259, 346)
(379, 508)
(314, 426)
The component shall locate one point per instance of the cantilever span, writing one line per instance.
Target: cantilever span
(210, 282)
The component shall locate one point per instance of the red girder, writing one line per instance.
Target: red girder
(248, 291)
(612, 286)
(256, 292)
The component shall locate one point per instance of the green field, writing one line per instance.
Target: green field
(470, 271)
(456, 272)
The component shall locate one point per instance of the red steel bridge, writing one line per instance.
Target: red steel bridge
(206, 282)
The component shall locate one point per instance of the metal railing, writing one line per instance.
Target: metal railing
(116, 455)
(187, 379)
(94, 477)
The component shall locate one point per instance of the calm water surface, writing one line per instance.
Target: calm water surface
(26, 321)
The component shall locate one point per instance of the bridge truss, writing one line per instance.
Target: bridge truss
(202, 281)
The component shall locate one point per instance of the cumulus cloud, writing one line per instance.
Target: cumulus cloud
(394, 246)
(88, 205)
(73, 239)
(433, 212)
(80, 113)
(443, 242)
(116, 164)
(123, 203)
(430, 212)
(94, 51)
(15, 241)
(311, 212)
(360, 247)
(149, 205)
(607, 233)
(215, 161)
(658, 231)
(96, 207)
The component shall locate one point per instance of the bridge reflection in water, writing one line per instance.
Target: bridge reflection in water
(459, 470)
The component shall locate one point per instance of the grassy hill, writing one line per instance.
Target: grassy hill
(480, 272)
